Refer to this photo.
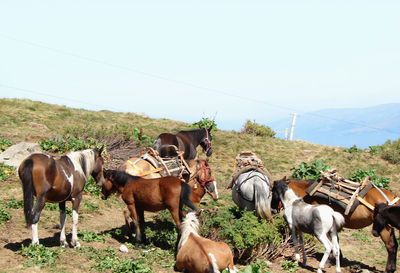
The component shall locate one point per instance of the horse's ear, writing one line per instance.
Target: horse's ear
(211, 126)
(284, 178)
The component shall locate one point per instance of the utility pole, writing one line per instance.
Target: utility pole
(286, 133)
(292, 127)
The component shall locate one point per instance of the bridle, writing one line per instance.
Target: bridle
(207, 142)
(204, 170)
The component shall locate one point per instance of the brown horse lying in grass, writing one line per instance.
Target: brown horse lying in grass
(360, 218)
(140, 194)
(201, 255)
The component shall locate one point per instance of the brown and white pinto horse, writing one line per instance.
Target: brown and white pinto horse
(360, 218)
(58, 180)
(201, 255)
(140, 194)
(185, 141)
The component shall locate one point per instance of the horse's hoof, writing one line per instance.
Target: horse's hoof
(76, 244)
(319, 270)
(35, 243)
(64, 244)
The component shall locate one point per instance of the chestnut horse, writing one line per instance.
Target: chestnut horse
(185, 141)
(140, 194)
(201, 255)
(202, 181)
(58, 180)
(360, 218)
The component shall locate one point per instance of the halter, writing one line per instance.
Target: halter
(204, 169)
(207, 142)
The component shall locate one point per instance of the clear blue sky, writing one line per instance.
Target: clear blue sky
(184, 60)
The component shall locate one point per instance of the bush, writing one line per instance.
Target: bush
(353, 149)
(391, 151)
(4, 144)
(4, 216)
(309, 170)
(143, 139)
(205, 123)
(255, 129)
(64, 143)
(39, 255)
(379, 181)
(163, 233)
(248, 236)
(5, 171)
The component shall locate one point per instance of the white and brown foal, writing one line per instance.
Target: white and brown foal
(201, 255)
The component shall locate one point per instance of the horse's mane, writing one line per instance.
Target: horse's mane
(120, 177)
(189, 225)
(83, 161)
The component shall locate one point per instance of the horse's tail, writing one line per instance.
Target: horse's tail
(25, 174)
(186, 191)
(262, 200)
(339, 220)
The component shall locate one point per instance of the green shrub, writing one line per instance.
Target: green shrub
(391, 151)
(39, 255)
(249, 236)
(289, 266)
(255, 129)
(13, 203)
(205, 123)
(353, 149)
(309, 170)
(373, 150)
(4, 143)
(88, 236)
(379, 181)
(4, 216)
(68, 142)
(5, 171)
(143, 139)
(92, 188)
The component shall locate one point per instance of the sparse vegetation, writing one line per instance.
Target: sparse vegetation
(255, 129)
(5, 171)
(39, 255)
(104, 218)
(360, 174)
(353, 149)
(4, 216)
(4, 143)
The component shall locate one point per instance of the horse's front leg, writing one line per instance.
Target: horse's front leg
(389, 238)
(127, 216)
(63, 241)
(39, 205)
(75, 206)
(134, 216)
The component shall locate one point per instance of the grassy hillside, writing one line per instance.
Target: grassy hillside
(24, 120)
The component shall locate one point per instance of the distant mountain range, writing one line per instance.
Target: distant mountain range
(346, 127)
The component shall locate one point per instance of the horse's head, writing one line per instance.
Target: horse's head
(108, 186)
(206, 179)
(205, 142)
(380, 221)
(97, 172)
(278, 189)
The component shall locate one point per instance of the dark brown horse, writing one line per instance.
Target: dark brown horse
(185, 141)
(140, 194)
(58, 180)
(360, 218)
(385, 215)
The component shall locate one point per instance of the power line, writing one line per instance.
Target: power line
(184, 83)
